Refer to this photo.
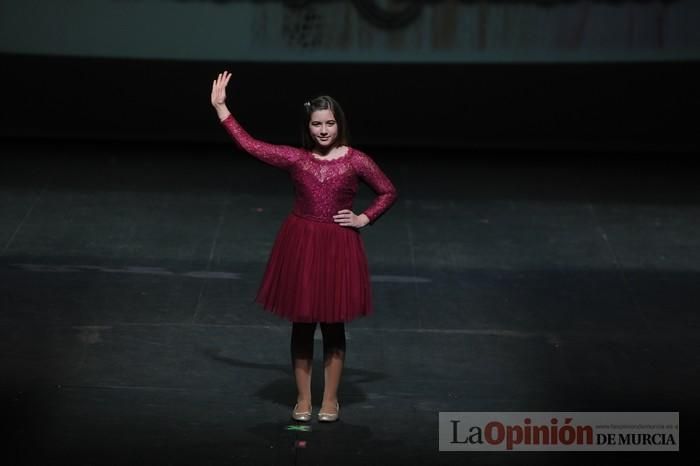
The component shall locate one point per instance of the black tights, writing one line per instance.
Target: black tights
(303, 339)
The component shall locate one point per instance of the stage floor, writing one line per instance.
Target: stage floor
(501, 282)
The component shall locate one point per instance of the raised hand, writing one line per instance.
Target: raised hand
(218, 89)
(218, 94)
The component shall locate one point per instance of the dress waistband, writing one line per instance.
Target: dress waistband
(313, 219)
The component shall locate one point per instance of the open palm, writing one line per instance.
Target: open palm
(218, 89)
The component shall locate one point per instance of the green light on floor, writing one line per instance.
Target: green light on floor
(299, 428)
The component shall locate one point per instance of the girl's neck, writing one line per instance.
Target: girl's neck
(324, 152)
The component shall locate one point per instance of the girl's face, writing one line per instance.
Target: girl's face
(323, 129)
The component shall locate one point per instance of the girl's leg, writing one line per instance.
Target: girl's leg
(302, 346)
(333, 358)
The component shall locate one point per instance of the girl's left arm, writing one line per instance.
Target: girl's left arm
(371, 174)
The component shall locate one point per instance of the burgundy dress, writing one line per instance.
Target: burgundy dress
(317, 270)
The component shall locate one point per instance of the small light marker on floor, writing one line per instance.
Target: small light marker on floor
(299, 428)
(300, 444)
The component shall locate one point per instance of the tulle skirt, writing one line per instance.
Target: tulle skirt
(316, 272)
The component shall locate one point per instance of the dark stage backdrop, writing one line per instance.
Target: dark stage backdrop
(571, 74)
(605, 106)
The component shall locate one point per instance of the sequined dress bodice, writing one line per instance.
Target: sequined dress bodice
(322, 187)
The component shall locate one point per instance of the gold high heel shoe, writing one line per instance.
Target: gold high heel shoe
(303, 416)
(329, 417)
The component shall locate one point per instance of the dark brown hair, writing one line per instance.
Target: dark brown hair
(324, 102)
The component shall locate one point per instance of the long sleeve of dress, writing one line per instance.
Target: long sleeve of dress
(275, 155)
(371, 174)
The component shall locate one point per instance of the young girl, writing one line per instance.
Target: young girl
(317, 270)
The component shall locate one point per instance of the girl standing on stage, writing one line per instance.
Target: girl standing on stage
(317, 270)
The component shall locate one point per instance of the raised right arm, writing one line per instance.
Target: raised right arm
(276, 155)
